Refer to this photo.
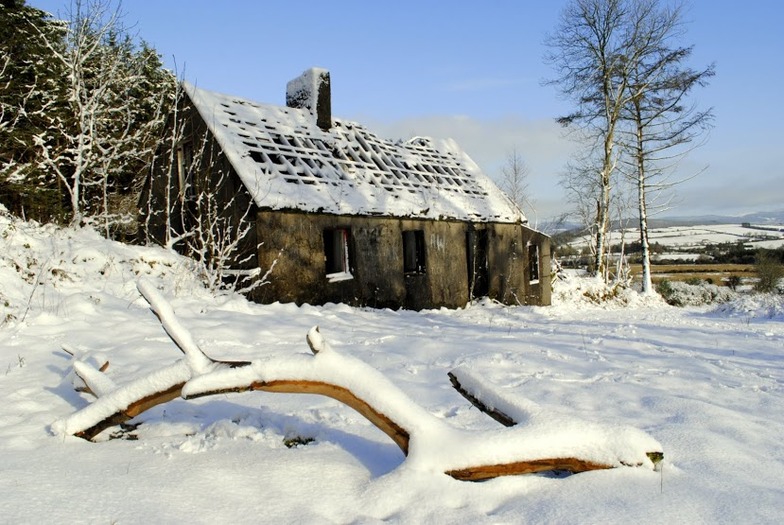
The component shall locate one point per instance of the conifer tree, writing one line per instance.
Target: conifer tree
(82, 111)
(31, 97)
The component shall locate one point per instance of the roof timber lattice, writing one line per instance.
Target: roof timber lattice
(288, 162)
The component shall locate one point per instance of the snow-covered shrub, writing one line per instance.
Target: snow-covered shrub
(754, 306)
(48, 268)
(769, 272)
(679, 293)
(577, 287)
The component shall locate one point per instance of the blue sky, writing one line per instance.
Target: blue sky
(473, 71)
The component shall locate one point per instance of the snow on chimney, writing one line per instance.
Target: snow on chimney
(311, 91)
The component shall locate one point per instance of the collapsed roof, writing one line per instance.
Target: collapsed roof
(300, 158)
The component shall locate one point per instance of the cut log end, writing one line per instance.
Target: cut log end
(656, 458)
(315, 340)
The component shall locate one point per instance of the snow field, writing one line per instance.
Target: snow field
(708, 384)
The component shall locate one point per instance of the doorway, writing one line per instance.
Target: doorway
(476, 258)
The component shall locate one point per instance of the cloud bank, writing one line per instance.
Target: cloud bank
(725, 179)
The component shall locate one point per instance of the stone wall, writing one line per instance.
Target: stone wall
(295, 243)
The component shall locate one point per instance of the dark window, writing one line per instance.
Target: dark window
(414, 251)
(336, 250)
(533, 263)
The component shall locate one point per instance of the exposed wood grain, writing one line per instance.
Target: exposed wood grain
(484, 472)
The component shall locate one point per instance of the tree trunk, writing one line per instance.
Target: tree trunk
(647, 284)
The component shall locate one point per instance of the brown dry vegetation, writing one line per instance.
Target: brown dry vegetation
(714, 273)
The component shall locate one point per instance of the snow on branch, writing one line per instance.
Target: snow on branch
(535, 440)
(197, 360)
(125, 402)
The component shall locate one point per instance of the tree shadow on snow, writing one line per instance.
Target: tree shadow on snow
(379, 457)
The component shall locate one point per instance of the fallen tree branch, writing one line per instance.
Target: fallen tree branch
(125, 402)
(475, 400)
(508, 411)
(428, 442)
(117, 404)
(513, 411)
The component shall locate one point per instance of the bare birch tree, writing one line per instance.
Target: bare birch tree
(661, 125)
(587, 52)
(593, 49)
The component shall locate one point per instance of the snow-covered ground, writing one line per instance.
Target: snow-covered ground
(708, 384)
(686, 237)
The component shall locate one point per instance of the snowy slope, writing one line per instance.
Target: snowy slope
(697, 236)
(707, 384)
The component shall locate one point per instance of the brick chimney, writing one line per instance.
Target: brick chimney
(311, 91)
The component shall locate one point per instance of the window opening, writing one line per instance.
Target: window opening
(533, 263)
(414, 251)
(336, 256)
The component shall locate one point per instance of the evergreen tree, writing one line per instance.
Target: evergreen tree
(31, 96)
(81, 114)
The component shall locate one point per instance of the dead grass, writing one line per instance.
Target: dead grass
(714, 273)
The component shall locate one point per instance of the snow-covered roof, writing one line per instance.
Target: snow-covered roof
(287, 162)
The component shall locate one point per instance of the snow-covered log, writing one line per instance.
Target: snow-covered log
(536, 441)
(506, 410)
(481, 404)
(116, 404)
(327, 373)
(95, 381)
(123, 402)
(511, 411)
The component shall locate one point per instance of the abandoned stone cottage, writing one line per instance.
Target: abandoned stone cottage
(334, 213)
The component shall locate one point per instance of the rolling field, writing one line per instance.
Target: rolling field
(685, 238)
(687, 242)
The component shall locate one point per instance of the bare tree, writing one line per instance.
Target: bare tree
(514, 180)
(192, 204)
(581, 182)
(661, 126)
(216, 238)
(593, 50)
(107, 126)
(622, 202)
